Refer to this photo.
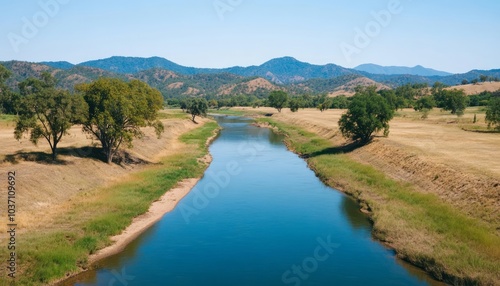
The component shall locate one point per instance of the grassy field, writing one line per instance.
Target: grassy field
(87, 221)
(421, 227)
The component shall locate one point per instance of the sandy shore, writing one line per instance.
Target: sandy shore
(141, 223)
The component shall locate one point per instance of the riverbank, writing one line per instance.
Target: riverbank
(58, 231)
(423, 227)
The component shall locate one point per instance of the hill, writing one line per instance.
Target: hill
(174, 84)
(281, 70)
(399, 70)
(286, 71)
(471, 89)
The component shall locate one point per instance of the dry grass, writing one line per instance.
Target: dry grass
(471, 89)
(44, 187)
(435, 155)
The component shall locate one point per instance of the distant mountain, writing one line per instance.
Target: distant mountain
(173, 84)
(397, 70)
(59, 65)
(284, 73)
(281, 71)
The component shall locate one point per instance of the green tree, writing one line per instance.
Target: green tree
(118, 109)
(213, 104)
(424, 103)
(197, 107)
(456, 101)
(9, 100)
(326, 104)
(439, 93)
(340, 102)
(278, 99)
(367, 113)
(483, 78)
(295, 104)
(47, 112)
(493, 113)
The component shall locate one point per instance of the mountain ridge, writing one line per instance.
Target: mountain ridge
(417, 70)
(281, 71)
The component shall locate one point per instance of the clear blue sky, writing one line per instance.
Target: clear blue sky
(454, 36)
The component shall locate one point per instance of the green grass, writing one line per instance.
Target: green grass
(227, 112)
(51, 254)
(7, 117)
(423, 229)
(173, 114)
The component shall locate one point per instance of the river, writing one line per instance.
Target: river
(259, 216)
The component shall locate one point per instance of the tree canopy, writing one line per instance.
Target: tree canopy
(47, 112)
(197, 107)
(455, 100)
(367, 113)
(295, 104)
(8, 99)
(278, 99)
(118, 109)
(493, 113)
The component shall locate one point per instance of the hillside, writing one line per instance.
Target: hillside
(173, 84)
(471, 89)
(286, 71)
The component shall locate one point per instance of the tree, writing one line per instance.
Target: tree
(118, 109)
(326, 104)
(340, 102)
(424, 103)
(439, 94)
(9, 100)
(493, 113)
(483, 78)
(197, 107)
(214, 104)
(47, 112)
(278, 99)
(456, 101)
(367, 113)
(464, 82)
(295, 104)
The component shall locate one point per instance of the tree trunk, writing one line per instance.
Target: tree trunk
(109, 158)
(54, 151)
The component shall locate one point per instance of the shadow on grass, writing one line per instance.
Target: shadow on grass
(347, 148)
(121, 158)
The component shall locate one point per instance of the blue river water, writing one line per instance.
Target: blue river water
(259, 216)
